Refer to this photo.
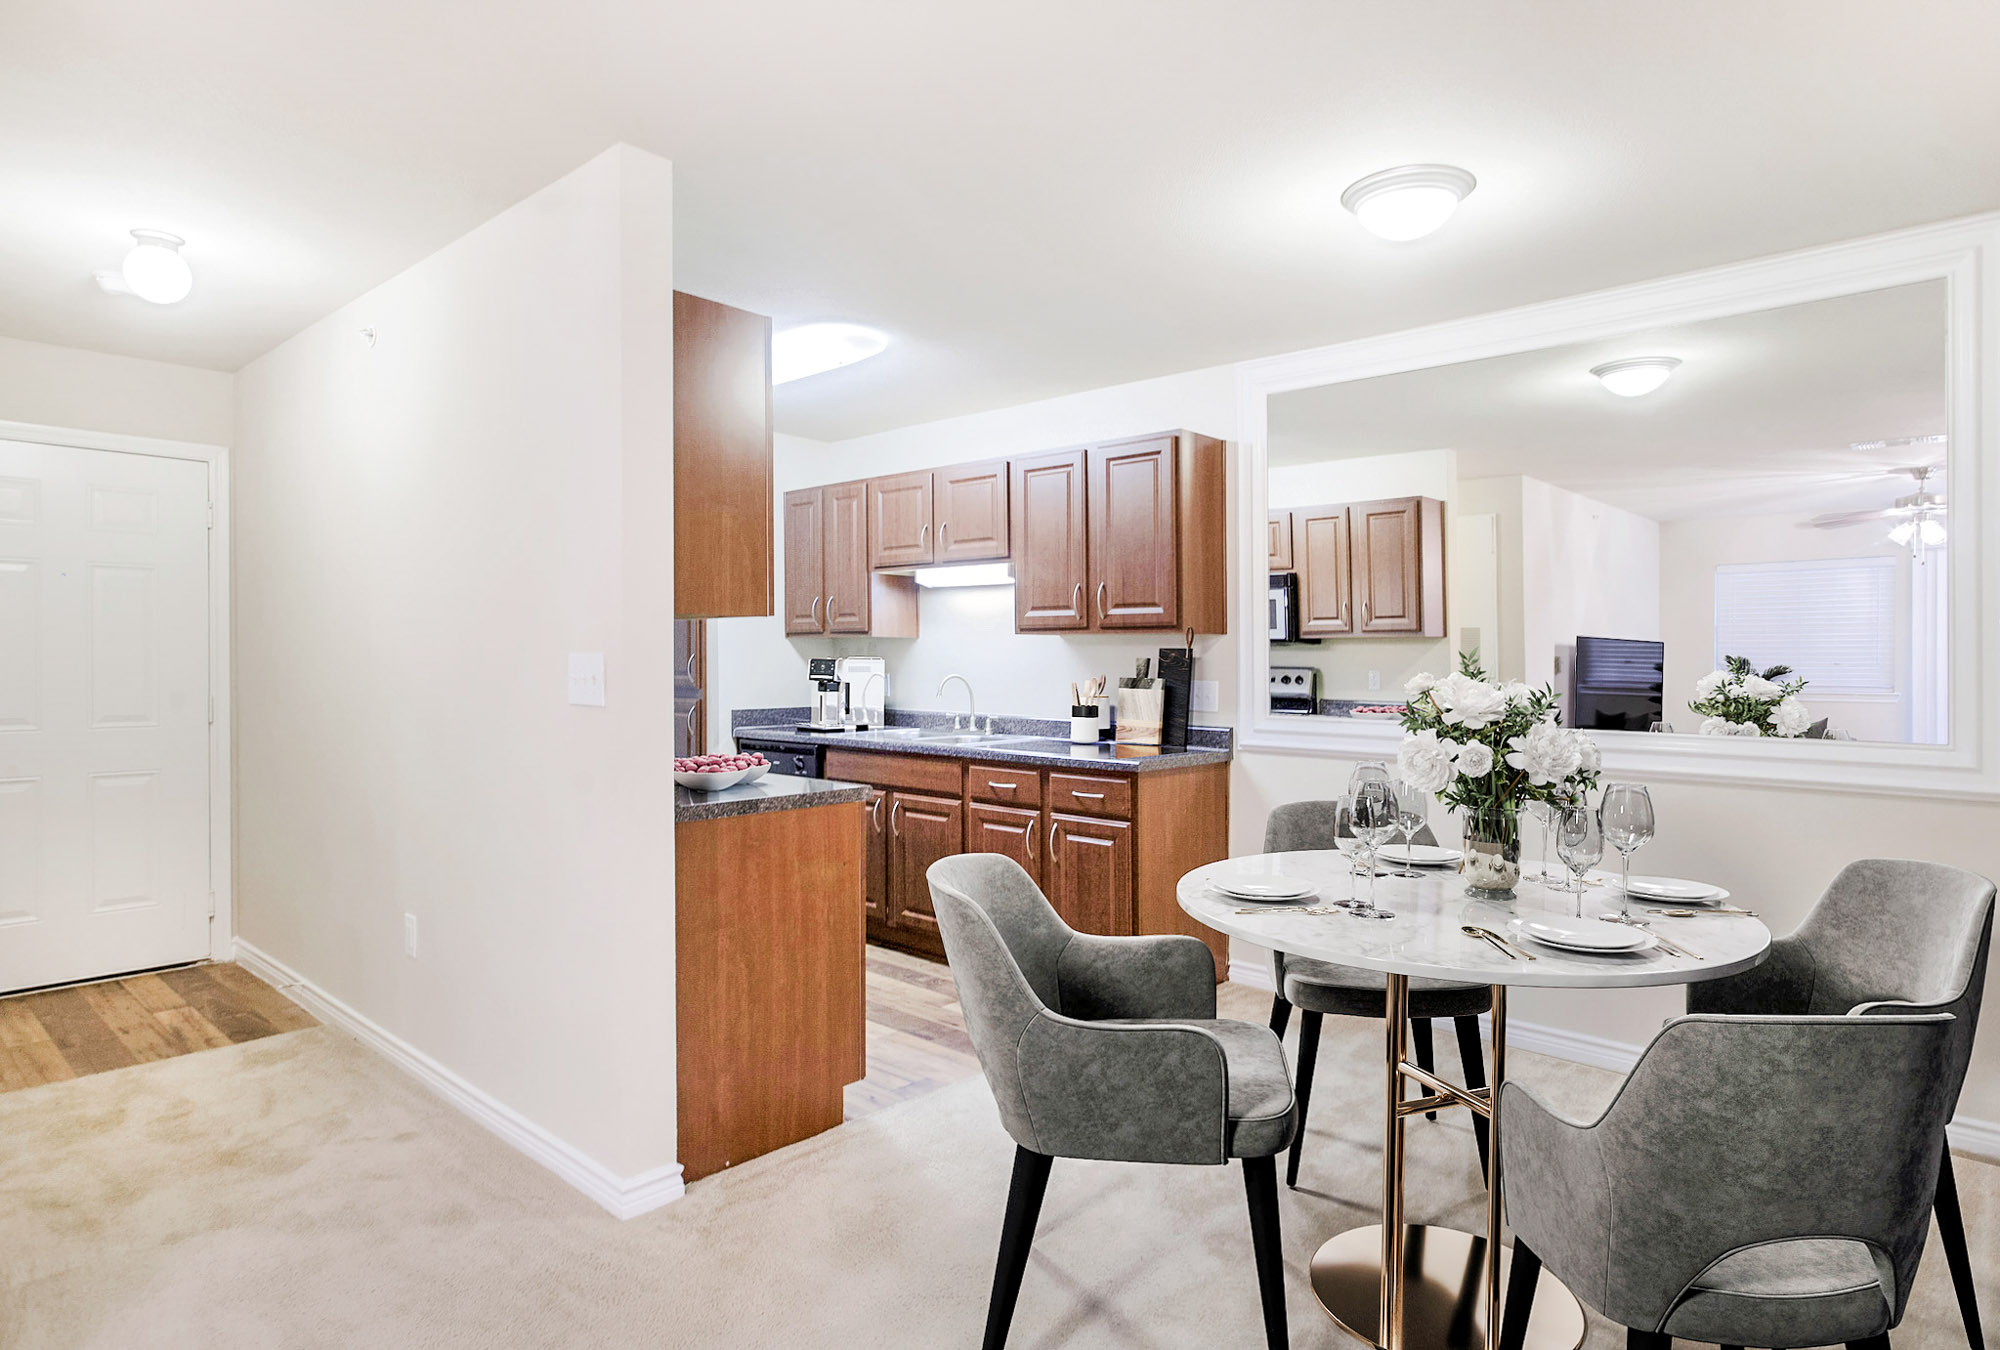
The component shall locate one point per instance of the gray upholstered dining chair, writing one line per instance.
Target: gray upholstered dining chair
(1317, 988)
(1109, 1048)
(1909, 936)
(1757, 1181)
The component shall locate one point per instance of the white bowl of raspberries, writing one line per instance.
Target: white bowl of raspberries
(711, 773)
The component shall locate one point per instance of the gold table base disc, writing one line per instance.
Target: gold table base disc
(1443, 1269)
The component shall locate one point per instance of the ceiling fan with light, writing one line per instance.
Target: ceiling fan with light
(1918, 518)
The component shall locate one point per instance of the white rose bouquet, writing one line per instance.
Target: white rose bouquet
(1739, 700)
(1476, 745)
(1486, 748)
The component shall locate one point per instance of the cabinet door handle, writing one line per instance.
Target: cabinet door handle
(1100, 600)
(894, 807)
(689, 667)
(815, 612)
(694, 744)
(1364, 611)
(1093, 796)
(1003, 787)
(924, 539)
(875, 811)
(1076, 598)
(1055, 839)
(1031, 839)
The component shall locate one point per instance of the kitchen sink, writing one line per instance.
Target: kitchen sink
(938, 736)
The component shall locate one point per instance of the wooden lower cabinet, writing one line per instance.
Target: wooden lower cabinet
(1108, 849)
(768, 979)
(1090, 873)
(1010, 832)
(922, 829)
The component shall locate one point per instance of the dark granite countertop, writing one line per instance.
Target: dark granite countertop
(772, 792)
(1010, 748)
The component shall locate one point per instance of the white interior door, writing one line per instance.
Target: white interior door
(104, 705)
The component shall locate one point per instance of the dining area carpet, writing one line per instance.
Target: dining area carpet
(298, 1191)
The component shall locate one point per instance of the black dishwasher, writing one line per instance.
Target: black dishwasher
(793, 763)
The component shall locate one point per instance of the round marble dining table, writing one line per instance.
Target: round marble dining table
(1449, 1293)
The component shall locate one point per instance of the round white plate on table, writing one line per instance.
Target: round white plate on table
(1265, 887)
(1676, 891)
(1419, 855)
(1581, 935)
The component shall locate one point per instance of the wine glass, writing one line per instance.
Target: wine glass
(1371, 813)
(1580, 844)
(1626, 817)
(1543, 812)
(1413, 808)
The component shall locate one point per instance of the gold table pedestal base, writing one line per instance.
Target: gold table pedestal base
(1442, 1269)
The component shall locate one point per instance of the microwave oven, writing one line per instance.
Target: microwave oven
(1284, 609)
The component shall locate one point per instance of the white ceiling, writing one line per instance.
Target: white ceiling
(1032, 198)
(1760, 417)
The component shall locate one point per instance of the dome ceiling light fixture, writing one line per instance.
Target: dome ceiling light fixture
(1636, 375)
(155, 270)
(815, 348)
(1408, 202)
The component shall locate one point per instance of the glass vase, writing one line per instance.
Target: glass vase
(1492, 852)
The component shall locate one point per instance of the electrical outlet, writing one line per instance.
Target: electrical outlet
(409, 935)
(1204, 696)
(1374, 679)
(586, 679)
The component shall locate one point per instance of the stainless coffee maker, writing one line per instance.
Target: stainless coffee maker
(829, 708)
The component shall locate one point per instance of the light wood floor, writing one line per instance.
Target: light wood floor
(916, 1033)
(88, 1028)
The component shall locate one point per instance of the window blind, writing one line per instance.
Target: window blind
(1832, 620)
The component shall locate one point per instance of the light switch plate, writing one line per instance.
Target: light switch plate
(1374, 679)
(586, 679)
(1204, 696)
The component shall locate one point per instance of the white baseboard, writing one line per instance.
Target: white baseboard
(625, 1197)
(1980, 1138)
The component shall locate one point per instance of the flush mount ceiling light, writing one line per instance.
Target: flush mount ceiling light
(155, 270)
(965, 574)
(813, 348)
(1639, 375)
(1409, 202)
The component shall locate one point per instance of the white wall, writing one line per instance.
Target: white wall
(1586, 568)
(1348, 664)
(423, 530)
(90, 391)
(1691, 550)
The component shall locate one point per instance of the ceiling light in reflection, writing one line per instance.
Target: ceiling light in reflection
(1637, 376)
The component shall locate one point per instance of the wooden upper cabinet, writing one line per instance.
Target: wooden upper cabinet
(1398, 566)
(1320, 548)
(1049, 543)
(970, 508)
(1134, 563)
(805, 561)
(899, 520)
(722, 460)
(1281, 541)
(847, 579)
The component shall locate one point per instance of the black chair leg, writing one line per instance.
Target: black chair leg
(1636, 1339)
(1420, 1046)
(1872, 1343)
(1281, 1015)
(1017, 1235)
(1472, 1056)
(1308, 1053)
(1732, 1347)
(1260, 1183)
(1522, 1275)
(1951, 1228)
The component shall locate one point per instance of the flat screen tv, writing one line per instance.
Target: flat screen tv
(1620, 684)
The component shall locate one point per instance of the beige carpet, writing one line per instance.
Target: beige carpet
(299, 1192)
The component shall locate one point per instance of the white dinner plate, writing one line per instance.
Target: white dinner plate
(1265, 888)
(1677, 890)
(1419, 855)
(1582, 935)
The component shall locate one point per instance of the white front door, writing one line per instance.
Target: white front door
(104, 705)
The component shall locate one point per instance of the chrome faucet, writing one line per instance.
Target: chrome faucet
(971, 709)
(865, 684)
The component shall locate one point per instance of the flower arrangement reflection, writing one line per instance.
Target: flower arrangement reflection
(1739, 700)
